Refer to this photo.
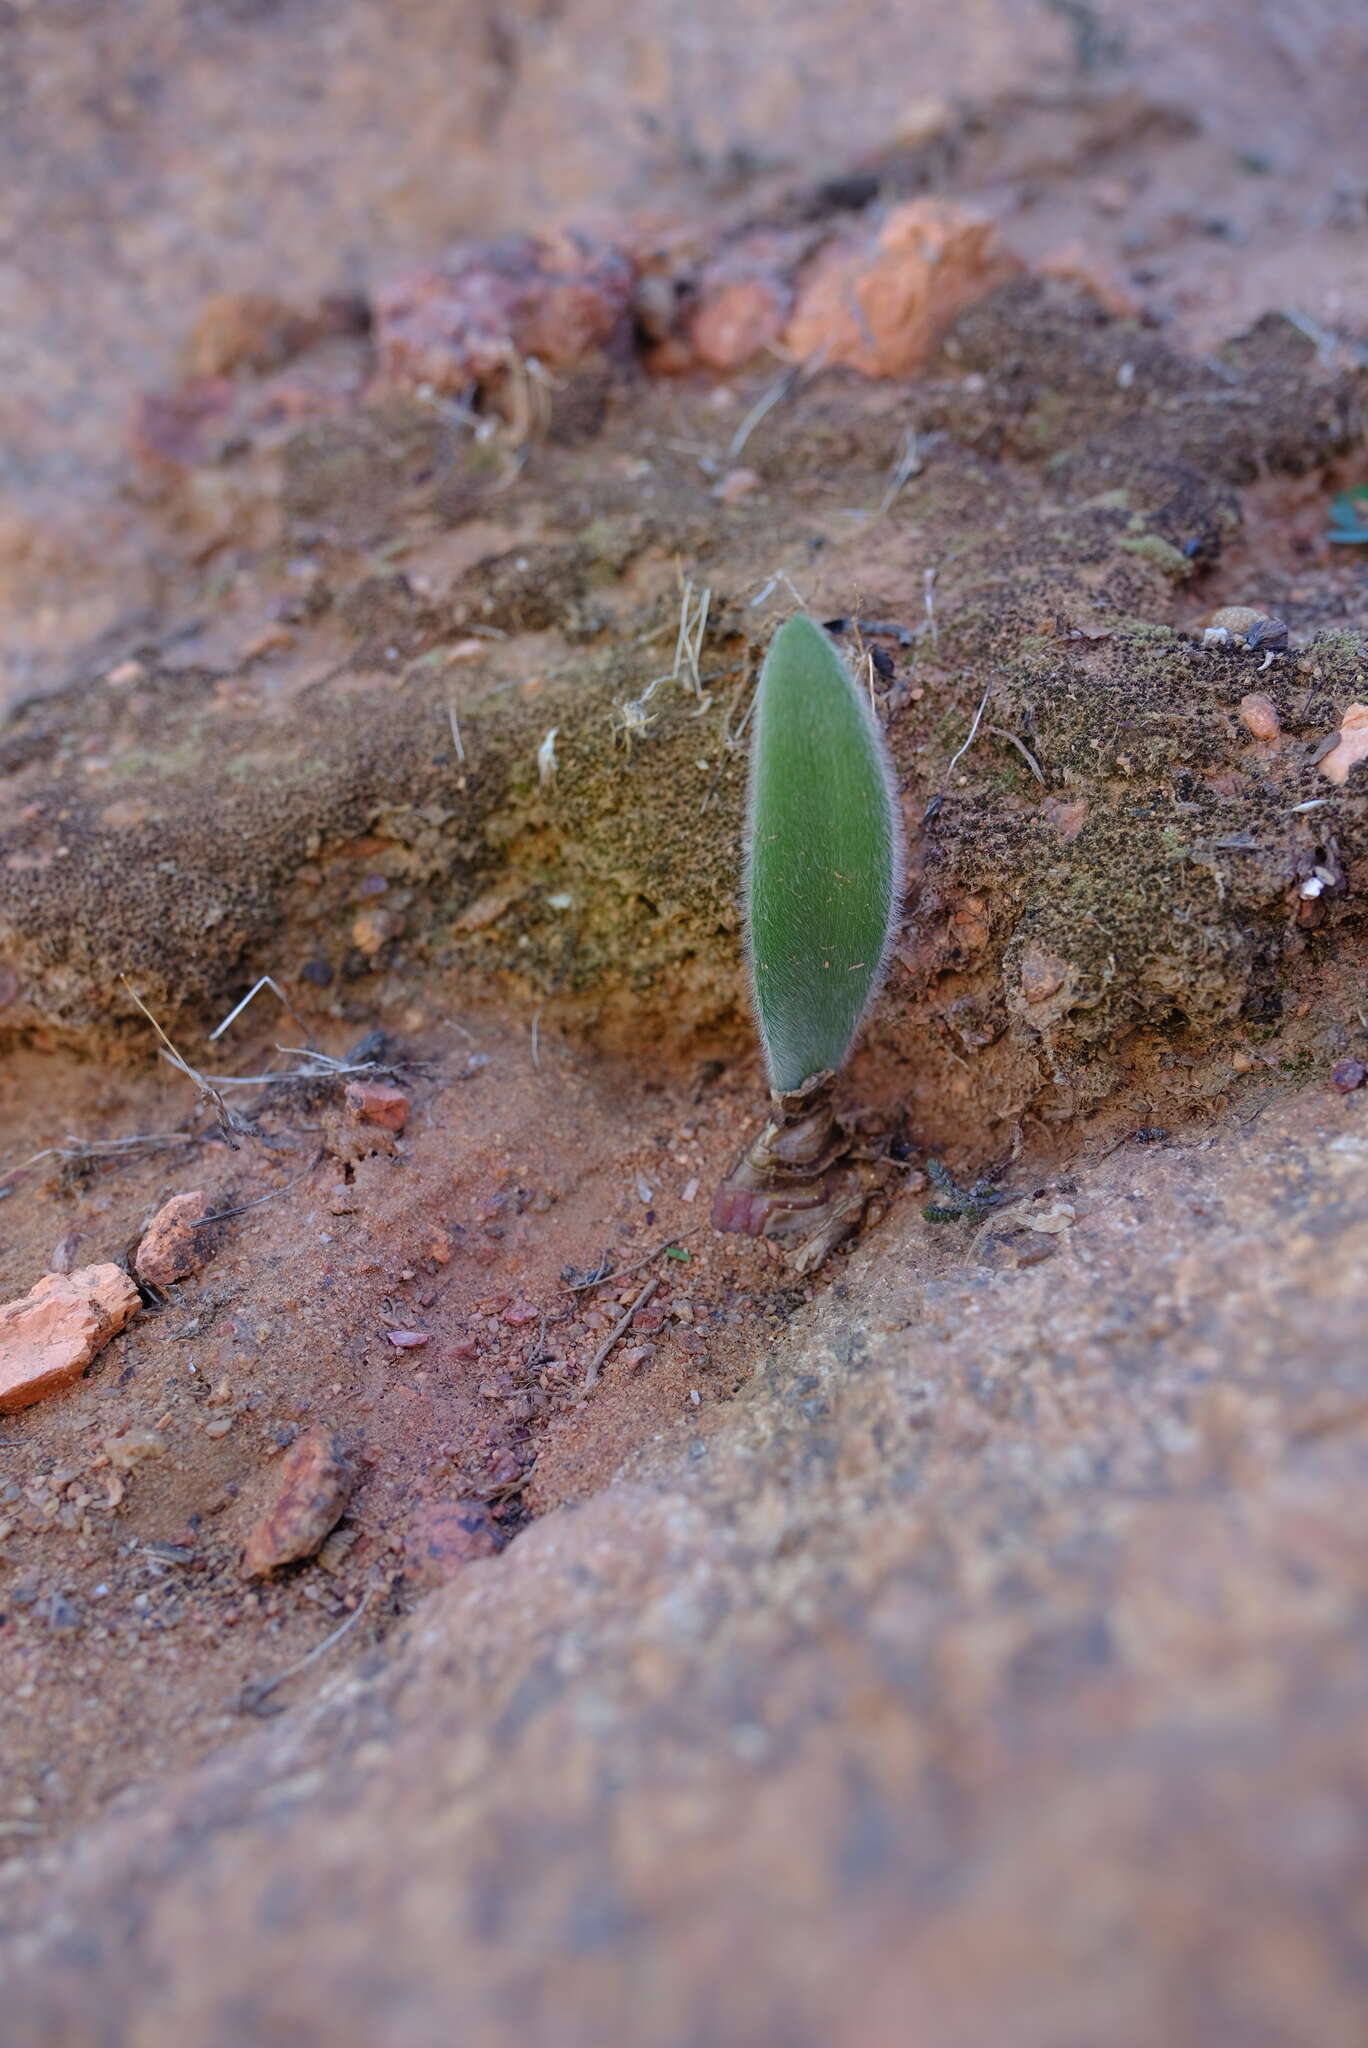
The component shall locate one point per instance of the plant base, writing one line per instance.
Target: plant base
(806, 1181)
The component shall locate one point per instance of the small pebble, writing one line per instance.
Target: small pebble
(736, 484)
(1259, 714)
(445, 1537)
(171, 1247)
(376, 1102)
(1347, 747)
(313, 1488)
(1347, 1075)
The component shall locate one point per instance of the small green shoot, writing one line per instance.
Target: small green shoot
(824, 856)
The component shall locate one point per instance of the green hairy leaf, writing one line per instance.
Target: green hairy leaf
(824, 856)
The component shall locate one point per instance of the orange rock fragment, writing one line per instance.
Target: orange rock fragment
(171, 1247)
(882, 306)
(314, 1487)
(742, 317)
(1352, 746)
(48, 1338)
(377, 1102)
(1259, 715)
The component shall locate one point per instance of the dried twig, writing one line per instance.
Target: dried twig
(591, 1377)
(335, 1073)
(685, 620)
(764, 404)
(257, 1691)
(323, 1062)
(1326, 339)
(624, 1272)
(1000, 732)
(455, 725)
(973, 731)
(694, 649)
(530, 393)
(321, 1066)
(908, 465)
(929, 601)
(222, 1215)
(231, 1125)
(266, 981)
(779, 576)
(101, 1148)
(689, 635)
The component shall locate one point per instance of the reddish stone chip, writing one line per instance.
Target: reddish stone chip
(444, 1537)
(376, 1102)
(314, 1486)
(171, 1247)
(48, 1338)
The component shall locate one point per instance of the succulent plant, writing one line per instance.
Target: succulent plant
(823, 856)
(823, 874)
